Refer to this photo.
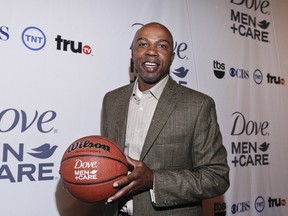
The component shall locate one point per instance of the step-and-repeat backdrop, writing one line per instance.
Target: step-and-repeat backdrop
(59, 58)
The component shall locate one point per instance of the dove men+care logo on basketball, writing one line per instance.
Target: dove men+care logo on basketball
(251, 147)
(22, 159)
(84, 170)
(249, 26)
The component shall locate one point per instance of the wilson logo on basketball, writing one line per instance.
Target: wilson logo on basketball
(87, 144)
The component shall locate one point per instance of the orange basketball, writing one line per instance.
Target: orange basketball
(89, 167)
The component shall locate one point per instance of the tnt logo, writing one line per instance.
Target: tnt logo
(259, 204)
(33, 38)
(64, 45)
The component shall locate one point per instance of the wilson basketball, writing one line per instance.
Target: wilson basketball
(90, 166)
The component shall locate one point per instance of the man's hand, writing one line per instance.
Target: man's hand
(140, 179)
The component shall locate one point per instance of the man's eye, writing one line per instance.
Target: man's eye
(142, 45)
(162, 46)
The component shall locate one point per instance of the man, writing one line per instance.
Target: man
(169, 132)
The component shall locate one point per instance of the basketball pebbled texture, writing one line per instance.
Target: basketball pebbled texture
(90, 166)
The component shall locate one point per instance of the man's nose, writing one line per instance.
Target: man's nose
(151, 51)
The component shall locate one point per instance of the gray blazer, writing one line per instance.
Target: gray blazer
(183, 147)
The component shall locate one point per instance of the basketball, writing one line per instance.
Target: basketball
(90, 166)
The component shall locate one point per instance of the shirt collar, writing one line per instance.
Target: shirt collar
(155, 91)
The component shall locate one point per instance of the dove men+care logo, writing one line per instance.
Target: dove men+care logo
(22, 160)
(246, 25)
(249, 152)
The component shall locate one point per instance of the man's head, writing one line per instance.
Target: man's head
(152, 54)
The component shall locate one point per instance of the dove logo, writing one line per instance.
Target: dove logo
(79, 164)
(26, 171)
(82, 170)
(179, 49)
(248, 152)
(12, 118)
(261, 5)
(242, 126)
(263, 24)
(44, 151)
(181, 72)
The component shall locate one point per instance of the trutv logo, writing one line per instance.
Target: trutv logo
(70, 45)
(20, 162)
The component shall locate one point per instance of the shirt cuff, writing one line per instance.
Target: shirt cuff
(152, 194)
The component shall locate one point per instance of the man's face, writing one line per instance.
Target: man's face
(152, 54)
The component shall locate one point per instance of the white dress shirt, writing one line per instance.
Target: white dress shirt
(141, 110)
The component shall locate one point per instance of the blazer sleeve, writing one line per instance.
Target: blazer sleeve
(209, 174)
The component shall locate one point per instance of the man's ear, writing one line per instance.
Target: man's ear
(172, 57)
(132, 56)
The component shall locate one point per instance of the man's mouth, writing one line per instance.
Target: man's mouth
(150, 66)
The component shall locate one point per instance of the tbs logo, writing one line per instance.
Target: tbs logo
(220, 209)
(219, 69)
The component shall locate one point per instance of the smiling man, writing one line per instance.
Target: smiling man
(169, 133)
(152, 54)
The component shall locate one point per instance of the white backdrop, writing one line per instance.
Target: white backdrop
(59, 58)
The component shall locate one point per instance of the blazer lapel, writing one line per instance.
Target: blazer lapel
(163, 110)
(122, 115)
